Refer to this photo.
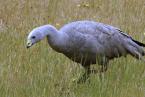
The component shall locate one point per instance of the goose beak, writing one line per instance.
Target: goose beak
(29, 44)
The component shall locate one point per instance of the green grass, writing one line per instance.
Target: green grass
(41, 72)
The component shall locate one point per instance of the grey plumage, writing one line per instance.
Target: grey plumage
(88, 42)
(91, 39)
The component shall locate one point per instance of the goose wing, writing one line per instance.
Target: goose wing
(102, 39)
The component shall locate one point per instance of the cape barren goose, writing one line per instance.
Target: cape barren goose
(88, 42)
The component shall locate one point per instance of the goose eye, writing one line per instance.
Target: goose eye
(33, 37)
